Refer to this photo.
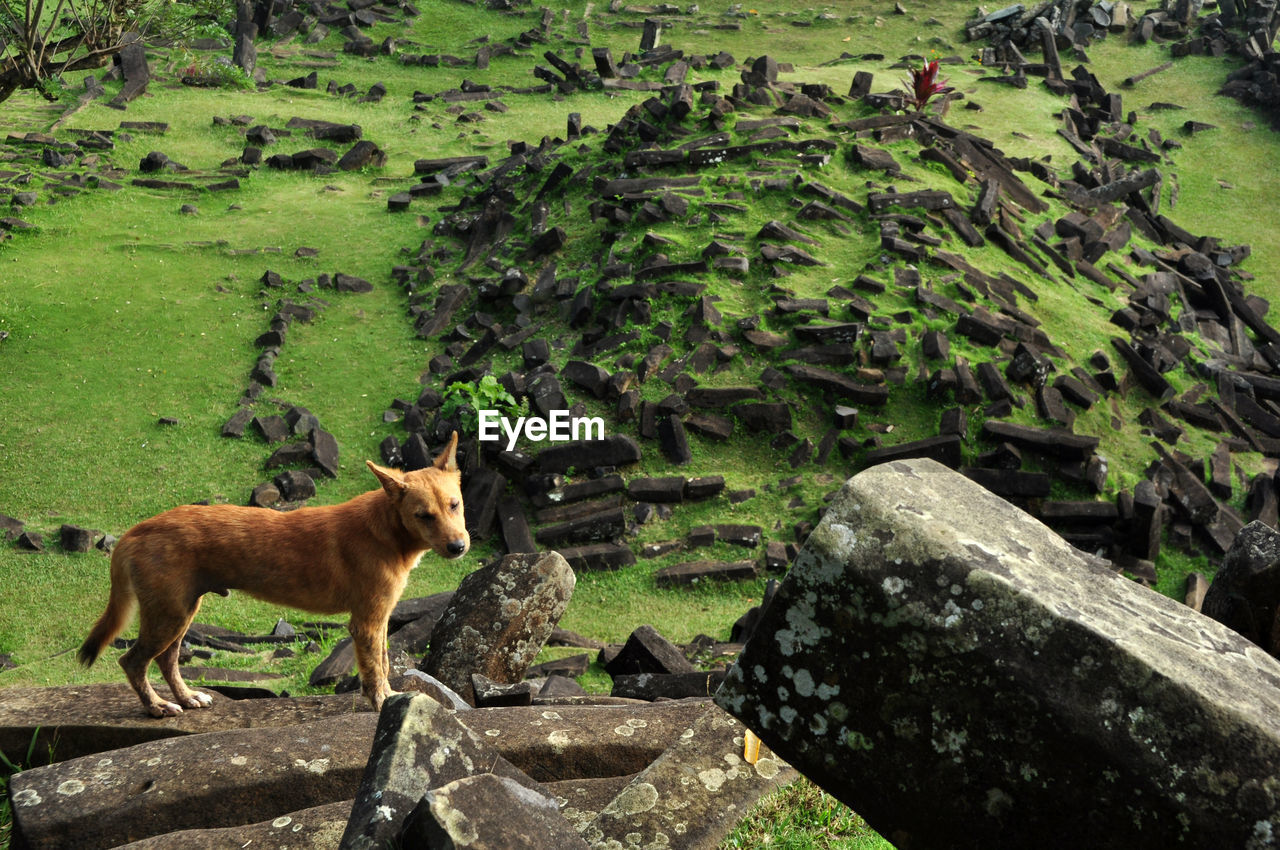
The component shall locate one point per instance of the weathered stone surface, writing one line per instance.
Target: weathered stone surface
(946, 665)
(419, 745)
(488, 812)
(694, 794)
(316, 828)
(583, 741)
(499, 619)
(95, 718)
(199, 781)
(1245, 593)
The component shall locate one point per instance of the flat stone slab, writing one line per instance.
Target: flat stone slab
(946, 665)
(77, 720)
(218, 779)
(316, 828)
(224, 778)
(692, 795)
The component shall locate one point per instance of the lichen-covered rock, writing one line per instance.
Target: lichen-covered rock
(77, 720)
(419, 745)
(1245, 594)
(568, 742)
(488, 812)
(316, 828)
(693, 794)
(498, 620)
(216, 779)
(948, 666)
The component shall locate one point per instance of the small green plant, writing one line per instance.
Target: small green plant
(7, 770)
(463, 401)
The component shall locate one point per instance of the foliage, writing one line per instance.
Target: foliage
(464, 401)
(924, 85)
(38, 45)
(217, 72)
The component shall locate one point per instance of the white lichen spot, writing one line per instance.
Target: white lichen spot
(240, 761)
(893, 585)
(1263, 836)
(493, 733)
(558, 740)
(152, 762)
(71, 787)
(838, 712)
(551, 715)
(783, 694)
(956, 590)
(803, 682)
(382, 813)
(624, 730)
(818, 724)
(712, 778)
(281, 822)
(632, 800)
(105, 762)
(637, 723)
(767, 768)
(26, 797)
(977, 605)
(826, 692)
(316, 766)
(761, 675)
(788, 714)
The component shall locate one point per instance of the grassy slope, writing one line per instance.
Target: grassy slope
(150, 321)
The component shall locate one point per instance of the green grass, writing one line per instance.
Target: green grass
(803, 817)
(120, 310)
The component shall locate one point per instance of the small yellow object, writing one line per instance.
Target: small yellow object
(847, 38)
(750, 748)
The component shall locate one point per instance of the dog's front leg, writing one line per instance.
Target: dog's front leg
(369, 637)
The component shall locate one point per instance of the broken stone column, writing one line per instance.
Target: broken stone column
(244, 54)
(419, 745)
(1245, 594)
(948, 666)
(498, 620)
(488, 812)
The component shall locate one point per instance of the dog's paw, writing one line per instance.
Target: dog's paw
(197, 699)
(164, 709)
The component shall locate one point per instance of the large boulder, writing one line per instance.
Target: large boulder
(1245, 594)
(498, 620)
(957, 673)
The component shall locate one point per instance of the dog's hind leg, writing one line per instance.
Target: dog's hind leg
(167, 661)
(160, 631)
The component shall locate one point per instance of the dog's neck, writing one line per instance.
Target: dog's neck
(393, 531)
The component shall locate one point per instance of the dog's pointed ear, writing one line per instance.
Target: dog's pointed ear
(447, 460)
(392, 480)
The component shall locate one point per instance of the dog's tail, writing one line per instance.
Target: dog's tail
(120, 605)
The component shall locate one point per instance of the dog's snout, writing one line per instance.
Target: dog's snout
(456, 547)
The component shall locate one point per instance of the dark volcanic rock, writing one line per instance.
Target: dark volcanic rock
(1245, 594)
(936, 638)
(498, 620)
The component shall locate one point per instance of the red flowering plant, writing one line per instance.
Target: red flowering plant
(924, 84)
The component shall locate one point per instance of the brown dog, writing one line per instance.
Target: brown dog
(354, 557)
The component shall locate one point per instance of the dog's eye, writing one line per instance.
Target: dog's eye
(454, 505)
(425, 516)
